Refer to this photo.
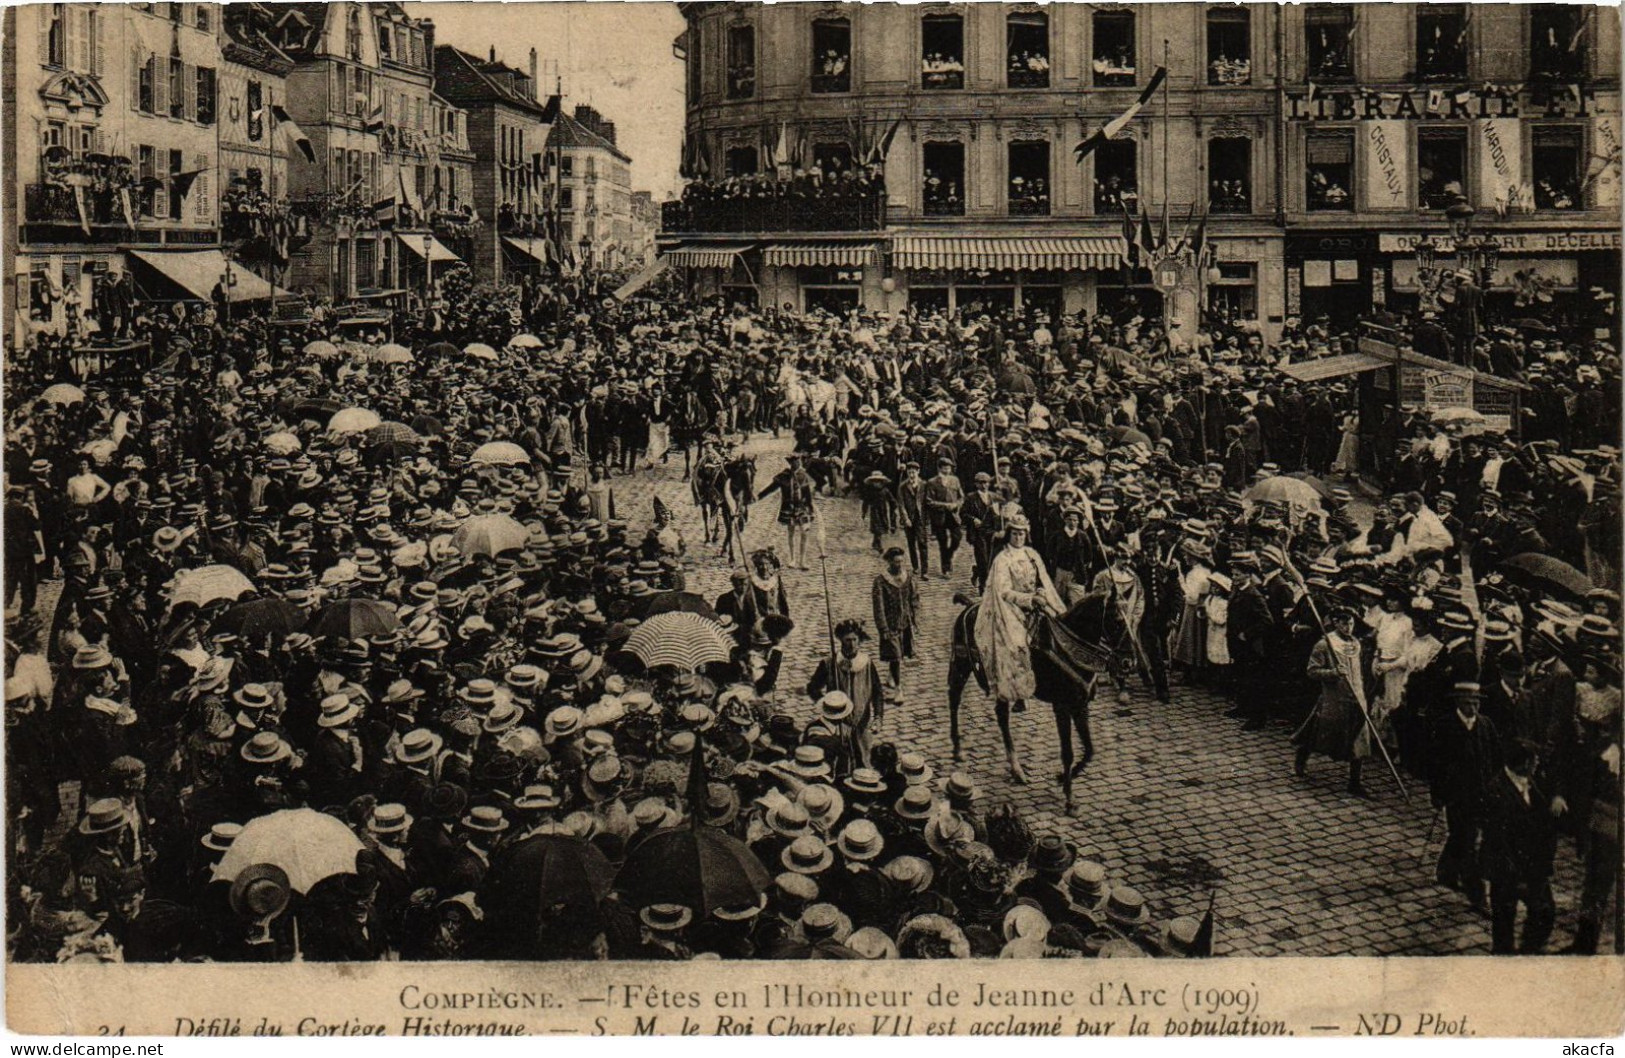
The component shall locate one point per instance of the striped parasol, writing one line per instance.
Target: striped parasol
(685, 641)
(392, 431)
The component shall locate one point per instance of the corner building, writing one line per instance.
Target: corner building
(1313, 207)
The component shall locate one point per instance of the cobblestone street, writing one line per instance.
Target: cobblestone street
(1179, 800)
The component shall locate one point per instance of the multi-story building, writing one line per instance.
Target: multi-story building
(450, 199)
(645, 226)
(507, 130)
(256, 225)
(592, 179)
(1283, 126)
(112, 144)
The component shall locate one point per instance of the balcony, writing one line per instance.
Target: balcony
(1029, 206)
(836, 213)
(54, 204)
(1229, 196)
(939, 73)
(1028, 72)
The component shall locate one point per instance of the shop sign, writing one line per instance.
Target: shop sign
(1387, 160)
(1522, 242)
(1457, 103)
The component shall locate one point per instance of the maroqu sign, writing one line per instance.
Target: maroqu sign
(1435, 104)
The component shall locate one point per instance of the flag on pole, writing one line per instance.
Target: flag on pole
(184, 181)
(79, 205)
(1148, 241)
(375, 119)
(1163, 245)
(292, 135)
(882, 146)
(1129, 239)
(1120, 122)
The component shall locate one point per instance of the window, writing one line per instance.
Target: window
(1117, 176)
(176, 193)
(1328, 31)
(1114, 49)
(1027, 50)
(352, 34)
(1229, 175)
(177, 88)
(831, 55)
(832, 158)
(1027, 190)
(145, 101)
(201, 18)
(1229, 46)
(1557, 42)
(256, 111)
(177, 13)
(741, 62)
(1441, 167)
(1330, 171)
(567, 164)
(942, 51)
(944, 191)
(54, 41)
(1557, 155)
(567, 198)
(740, 161)
(1441, 42)
(147, 168)
(691, 43)
(205, 95)
(386, 48)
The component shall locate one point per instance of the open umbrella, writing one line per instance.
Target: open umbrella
(679, 602)
(321, 349)
(282, 443)
(318, 408)
(534, 882)
(1282, 489)
(683, 640)
(206, 584)
(1313, 482)
(355, 619)
(1128, 435)
(307, 844)
(700, 868)
(1534, 326)
(524, 341)
(490, 534)
(1458, 414)
(391, 353)
(500, 453)
(353, 420)
(63, 393)
(441, 349)
(1546, 573)
(392, 431)
(391, 451)
(258, 617)
(427, 426)
(479, 351)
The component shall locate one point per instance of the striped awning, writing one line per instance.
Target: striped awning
(699, 255)
(815, 254)
(1000, 254)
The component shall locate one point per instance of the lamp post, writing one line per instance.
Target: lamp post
(1477, 255)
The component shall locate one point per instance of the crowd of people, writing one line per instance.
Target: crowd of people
(400, 601)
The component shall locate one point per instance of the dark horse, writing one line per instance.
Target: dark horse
(724, 493)
(1067, 659)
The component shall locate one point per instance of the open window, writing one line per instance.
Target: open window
(944, 190)
(1114, 49)
(1027, 49)
(1117, 176)
(1441, 167)
(832, 158)
(1229, 171)
(1557, 42)
(1328, 31)
(1028, 189)
(832, 55)
(1441, 42)
(1329, 171)
(740, 161)
(942, 51)
(741, 62)
(1557, 154)
(1229, 46)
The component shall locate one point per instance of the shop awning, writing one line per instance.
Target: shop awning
(700, 255)
(437, 249)
(644, 277)
(1008, 253)
(815, 254)
(1335, 366)
(196, 272)
(535, 249)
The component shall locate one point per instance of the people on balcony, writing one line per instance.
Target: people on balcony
(1226, 71)
(1029, 196)
(816, 198)
(1114, 66)
(1114, 192)
(942, 71)
(1553, 193)
(1228, 196)
(1029, 69)
(942, 195)
(1326, 191)
(742, 81)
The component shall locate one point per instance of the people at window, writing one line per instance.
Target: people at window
(825, 196)
(942, 71)
(1227, 71)
(1029, 195)
(1557, 193)
(1228, 196)
(1328, 189)
(942, 195)
(1114, 192)
(1114, 64)
(1029, 69)
(833, 71)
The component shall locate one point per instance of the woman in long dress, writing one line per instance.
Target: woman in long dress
(1190, 634)
(1348, 451)
(1018, 592)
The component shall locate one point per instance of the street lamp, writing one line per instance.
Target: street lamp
(1477, 255)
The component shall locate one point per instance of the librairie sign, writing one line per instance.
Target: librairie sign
(1523, 242)
(1437, 104)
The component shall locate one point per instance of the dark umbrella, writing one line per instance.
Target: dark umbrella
(679, 601)
(257, 617)
(442, 349)
(538, 883)
(355, 619)
(1534, 326)
(1545, 572)
(1128, 435)
(427, 425)
(702, 869)
(319, 408)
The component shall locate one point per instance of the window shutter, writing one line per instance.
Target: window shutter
(202, 200)
(137, 65)
(44, 32)
(189, 89)
(160, 88)
(78, 19)
(96, 46)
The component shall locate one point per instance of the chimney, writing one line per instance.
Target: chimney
(533, 66)
(493, 53)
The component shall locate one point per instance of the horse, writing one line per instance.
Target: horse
(724, 492)
(1068, 657)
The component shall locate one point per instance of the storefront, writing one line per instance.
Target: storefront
(1035, 275)
(1336, 276)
